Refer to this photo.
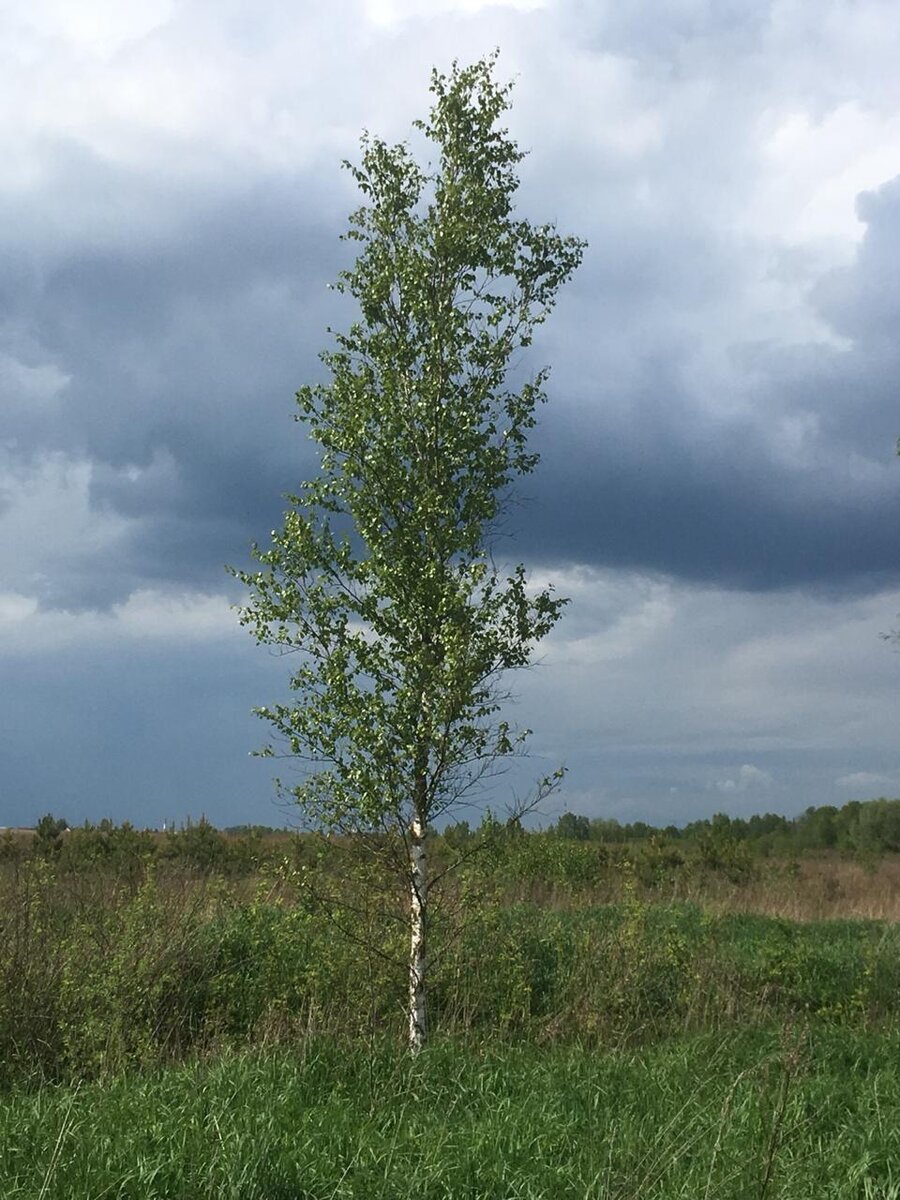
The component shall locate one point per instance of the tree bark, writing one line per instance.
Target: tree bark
(418, 906)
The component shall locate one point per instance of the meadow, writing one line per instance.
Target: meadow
(195, 1019)
(791, 1114)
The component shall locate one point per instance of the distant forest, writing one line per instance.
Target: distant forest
(859, 828)
(870, 826)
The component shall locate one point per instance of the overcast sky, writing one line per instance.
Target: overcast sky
(719, 493)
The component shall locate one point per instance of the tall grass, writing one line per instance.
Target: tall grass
(97, 976)
(601, 1032)
(768, 1115)
(816, 887)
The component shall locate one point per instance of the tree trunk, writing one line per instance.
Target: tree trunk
(418, 907)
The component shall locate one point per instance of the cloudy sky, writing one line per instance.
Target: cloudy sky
(719, 493)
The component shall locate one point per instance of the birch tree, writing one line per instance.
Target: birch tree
(382, 578)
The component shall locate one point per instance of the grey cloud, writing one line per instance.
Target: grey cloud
(648, 685)
(685, 34)
(176, 369)
(660, 480)
(721, 511)
(862, 302)
(181, 367)
(177, 347)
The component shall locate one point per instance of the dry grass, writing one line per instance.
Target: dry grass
(814, 888)
(811, 889)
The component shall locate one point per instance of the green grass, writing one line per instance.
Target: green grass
(94, 984)
(761, 1114)
(633, 1050)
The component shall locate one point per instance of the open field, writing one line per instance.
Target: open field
(140, 964)
(98, 975)
(829, 889)
(772, 1114)
(824, 887)
(608, 1023)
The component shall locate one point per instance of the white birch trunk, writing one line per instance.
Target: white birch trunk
(418, 903)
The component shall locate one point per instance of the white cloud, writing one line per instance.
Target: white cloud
(813, 169)
(635, 615)
(98, 26)
(747, 777)
(15, 609)
(865, 781)
(147, 616)
(388, 13)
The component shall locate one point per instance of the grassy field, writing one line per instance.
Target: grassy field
(620, 1032)
(794, 1113)
(91, 986)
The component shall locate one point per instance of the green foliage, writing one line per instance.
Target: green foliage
(198, 845)
(549, 861)
(382, 575)
(731, 847)
(863, 828)
(31, 934)
(573, 826)
(11, 849)
(134, 984)
(279, 968)
(48, 833)
(129, 950)
(719, 850)
(841, 969)
(107, 847)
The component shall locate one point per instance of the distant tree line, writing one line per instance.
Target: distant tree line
(239, 850)
(859, 827)
(864, 828)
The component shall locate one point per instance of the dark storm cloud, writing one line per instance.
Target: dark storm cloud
(168, 360)
(722, 512)
(646, 474)
(181, 361)
(161, 341)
